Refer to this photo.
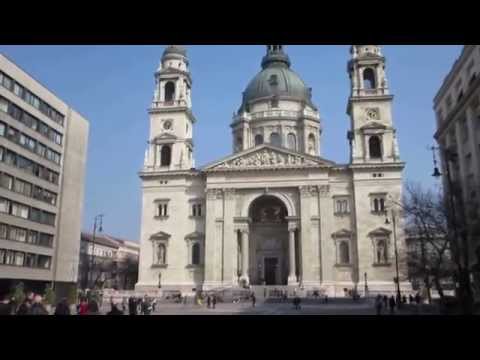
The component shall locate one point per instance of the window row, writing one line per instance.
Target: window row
(194, 253)
(26, 212)
(27, 189)
(29, 143)
(13, 86)
(13, 233)
(380, 252)
(20, 258)
(30, 121)
(13, 159)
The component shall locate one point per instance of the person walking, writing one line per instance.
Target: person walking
(378, 304)
(404, 299)
(37, 307)
(418, 299)
(62, 308)
(24, 308)
(254, 300)
(93, 308)
(115, 310)
(209, 301)
(410, 299)
(83, 307)
(385, 301)
(391, 303)
(5, 308)
(214, 300)
(132, 306)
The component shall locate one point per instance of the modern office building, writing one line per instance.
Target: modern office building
(457, 108)
(43, 149)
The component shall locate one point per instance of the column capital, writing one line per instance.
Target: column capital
(308, 191)
(229, 193)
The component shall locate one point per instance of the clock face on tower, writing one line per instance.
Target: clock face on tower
(372, 114)
(167, 125)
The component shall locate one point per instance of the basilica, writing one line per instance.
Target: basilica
(274, 212)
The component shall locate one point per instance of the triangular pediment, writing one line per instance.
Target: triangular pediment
(343, 233)
(371, 125)
(381, 231)
(267, 156)
(164, 137)
(195, 235)
(160, 236)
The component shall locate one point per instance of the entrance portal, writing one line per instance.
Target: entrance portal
(268, 250)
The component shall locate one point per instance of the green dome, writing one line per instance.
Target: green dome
(276, 80)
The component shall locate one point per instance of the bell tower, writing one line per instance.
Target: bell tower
(170, 146)
(372, 136)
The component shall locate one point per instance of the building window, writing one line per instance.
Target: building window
(3, 231)
(378, 204)
(381, 251)
(275, 140)
(162, 208)
(6, 181)
(375, 148)
(344, 252)
(169, 91)
(166, 155)
(44, 262)
(312, 144)
(292, 141)
(197, 210)
(258, 140)
(196, 254)
(342, 206)
(369, 79)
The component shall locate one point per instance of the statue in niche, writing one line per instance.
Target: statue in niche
(381, 252)
(161, 254)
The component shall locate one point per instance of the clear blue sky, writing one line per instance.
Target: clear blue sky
(112, 86)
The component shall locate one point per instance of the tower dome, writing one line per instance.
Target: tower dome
(175, 50)
(276, 79)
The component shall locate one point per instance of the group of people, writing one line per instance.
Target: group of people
(32, 304)
(384, 302)
(140, 306)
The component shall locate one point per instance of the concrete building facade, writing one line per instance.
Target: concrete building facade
(274, 212)
(43, 149)
(457, 109)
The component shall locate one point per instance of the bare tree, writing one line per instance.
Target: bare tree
(427, 226)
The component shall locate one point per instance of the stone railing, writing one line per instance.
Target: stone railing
(173, 103)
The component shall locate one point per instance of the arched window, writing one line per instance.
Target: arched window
(275, 139)
(292, 141)
(344, 253)
(375, 148)
(166, 156)
(169, 91)
(311, 144)
(258, 140)
(196, 254)
(369, 79)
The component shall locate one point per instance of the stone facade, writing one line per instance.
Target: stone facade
(274, 212)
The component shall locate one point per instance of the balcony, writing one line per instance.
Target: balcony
(276, 114)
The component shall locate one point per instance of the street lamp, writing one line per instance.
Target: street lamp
(366, 285)
(97, 223)
(397, 278)
(463, 268)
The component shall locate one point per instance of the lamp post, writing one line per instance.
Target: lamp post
(366, 285)
(397, 278)
(97, 223)
(463, 267)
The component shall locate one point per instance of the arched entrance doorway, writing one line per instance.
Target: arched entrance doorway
(268, 248)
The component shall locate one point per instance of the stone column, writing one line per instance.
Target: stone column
(212, 263)
(245, 257)
(306, 249)
(229, 246)
(292, 277)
